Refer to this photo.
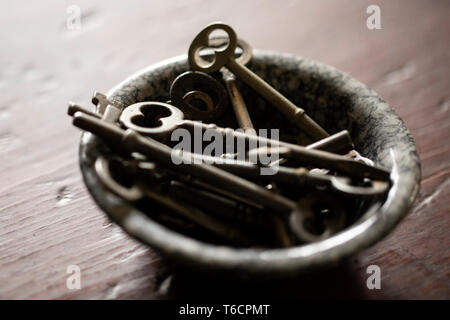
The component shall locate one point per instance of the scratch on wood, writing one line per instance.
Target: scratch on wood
(398, 75)
(64, 196)
(433, 197)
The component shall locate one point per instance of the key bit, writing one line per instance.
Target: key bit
(73, 108)
(101, 101)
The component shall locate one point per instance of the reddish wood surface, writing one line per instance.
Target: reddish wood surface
(47, 218)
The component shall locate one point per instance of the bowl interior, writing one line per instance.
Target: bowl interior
(335, 101)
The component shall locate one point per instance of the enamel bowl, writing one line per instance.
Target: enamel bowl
(335, 101)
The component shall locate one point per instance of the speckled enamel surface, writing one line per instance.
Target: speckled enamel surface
(335, 101)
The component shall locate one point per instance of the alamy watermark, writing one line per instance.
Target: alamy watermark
(73, 282)
(190, 149)
(73, 21)
(374, 19)
(374, 280)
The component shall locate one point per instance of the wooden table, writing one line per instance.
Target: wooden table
(48, 220)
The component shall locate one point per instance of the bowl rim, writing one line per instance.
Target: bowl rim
(280, 261)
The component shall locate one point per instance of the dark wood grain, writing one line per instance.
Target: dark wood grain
(48, 220)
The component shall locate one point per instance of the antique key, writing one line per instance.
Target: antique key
(225, 57)
(132, 117)
(301, 177)
(313, 157)
(298, 177)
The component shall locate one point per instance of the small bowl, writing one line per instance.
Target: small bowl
(335, 101)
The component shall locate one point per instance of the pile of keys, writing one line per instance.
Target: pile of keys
(316, 191)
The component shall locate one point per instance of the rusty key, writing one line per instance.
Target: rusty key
(225, 57)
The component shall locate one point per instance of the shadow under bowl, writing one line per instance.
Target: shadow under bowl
(336, 102)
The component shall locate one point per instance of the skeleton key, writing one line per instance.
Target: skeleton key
(225, 57)
(340, 142)
(321, 216)
(333, 143)
(181, 95)
(139, 190)
(133, 115)
(301, 177)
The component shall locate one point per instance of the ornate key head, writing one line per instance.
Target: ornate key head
(156, 119)
(194, 85)
(319, 216)
(221, 55)
(243, 56)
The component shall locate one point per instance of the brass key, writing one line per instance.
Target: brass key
(296, 177)
(132, 115)
(225, 57)
(301, 177)
(337, 143)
